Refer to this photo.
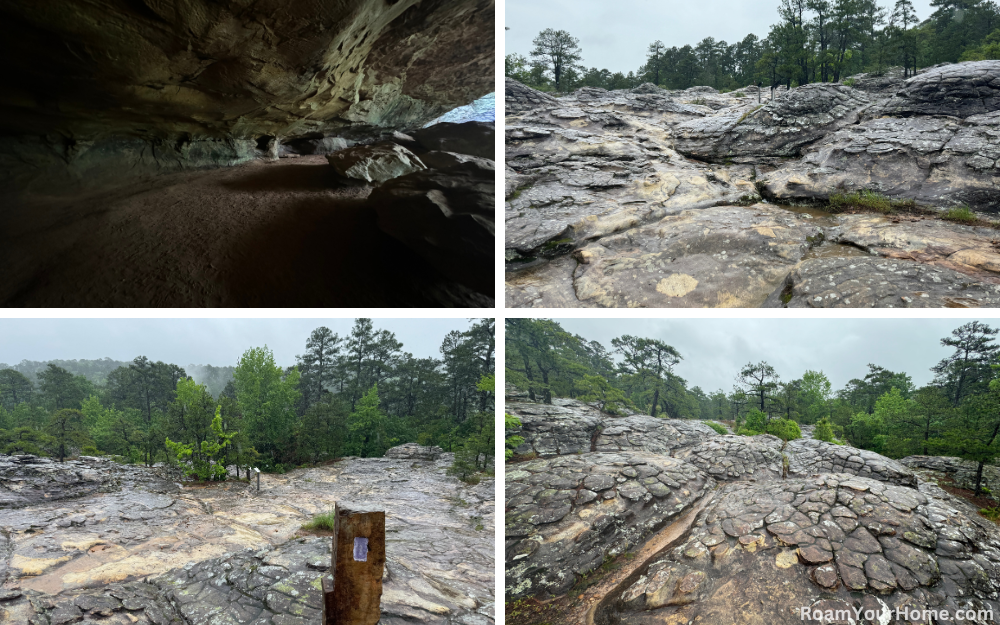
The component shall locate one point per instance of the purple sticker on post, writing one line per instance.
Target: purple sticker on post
(360, 549)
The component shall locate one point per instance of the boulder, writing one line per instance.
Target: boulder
(565, 515)
(777, 128)
(375, 163)
(413, 451)
(956, 90)
(474, 138)
(315, 145)
(446, 216)
(452, 160)
(880, 283)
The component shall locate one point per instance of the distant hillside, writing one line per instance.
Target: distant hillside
(94, 370)
(214, 378)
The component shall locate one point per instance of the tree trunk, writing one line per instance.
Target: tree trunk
(656, 400)
(979, 478)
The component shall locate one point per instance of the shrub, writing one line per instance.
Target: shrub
(718, 427)
(823, 431)
(785, 429)
(992, 514)
(322, 521)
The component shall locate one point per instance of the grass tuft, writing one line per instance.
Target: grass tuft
(322, 521)
(870, 201)
(961, 214)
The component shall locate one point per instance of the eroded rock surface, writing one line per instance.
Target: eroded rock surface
(102, 85)
(880, 283)
(774, 527)
(568, 426)
(566, 514)
(777, 128)
(827, 538)
(229, 554)
(958, 90)
(638, 198)
(963, 472)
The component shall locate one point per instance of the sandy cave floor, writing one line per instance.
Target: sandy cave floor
(264, 234)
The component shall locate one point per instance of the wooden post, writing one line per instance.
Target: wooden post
(354, 595)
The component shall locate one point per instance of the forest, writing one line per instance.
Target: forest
(957, 414)
(353, 395)
(812, 41)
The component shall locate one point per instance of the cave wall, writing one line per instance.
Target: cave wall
(96, 88)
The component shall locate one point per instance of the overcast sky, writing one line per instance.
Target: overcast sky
(615, 35)
(714, 350)
(218, 342)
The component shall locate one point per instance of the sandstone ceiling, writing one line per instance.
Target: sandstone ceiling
(87, 69)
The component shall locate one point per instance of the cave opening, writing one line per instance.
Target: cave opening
(198, 158)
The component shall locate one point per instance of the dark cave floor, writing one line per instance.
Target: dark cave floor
(284, 234)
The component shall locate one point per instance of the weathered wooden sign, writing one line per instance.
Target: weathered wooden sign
(354, 595)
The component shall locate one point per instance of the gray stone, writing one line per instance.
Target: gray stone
(375, 163)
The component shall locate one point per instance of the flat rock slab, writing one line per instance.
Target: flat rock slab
(566, 514)
(880, 283)
(725, 256)
(967, 249)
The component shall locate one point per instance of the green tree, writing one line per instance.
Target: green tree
(67, 431)
(558, 52)
(367, 426)
(15, 388)
(267, 397)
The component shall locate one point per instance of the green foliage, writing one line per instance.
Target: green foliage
(596, 390)
(512, 441)
(992, 514)
(866, 200)
(785, 429)
(961, 214)
(824, 432)
(26, 440)
(68, 433)
(324, 521)
(718, 427)
(267, 398)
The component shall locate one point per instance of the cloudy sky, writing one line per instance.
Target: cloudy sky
(615, 35)
(216, 342)
(714, 350)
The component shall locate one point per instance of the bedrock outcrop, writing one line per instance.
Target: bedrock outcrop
(566, 514)
(652, 198)
(769, 528)
(149, 550)
(157, 85)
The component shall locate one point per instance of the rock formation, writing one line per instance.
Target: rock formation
(738, 529)
(656, 198)
(100, 86)
(148, 550)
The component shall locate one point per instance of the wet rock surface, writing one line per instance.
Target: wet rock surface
(568, 426)
(609, 193)
(566, 514)
(834, 538)
(776, 527)
(225, 553)
(963, 472)
(777, 128)
(880, 283)
(958, 90)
